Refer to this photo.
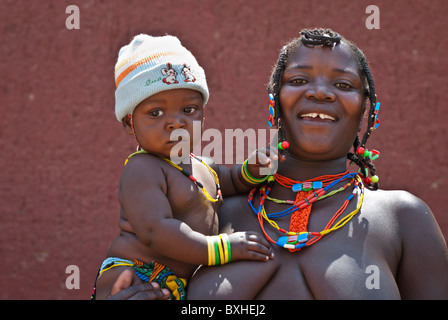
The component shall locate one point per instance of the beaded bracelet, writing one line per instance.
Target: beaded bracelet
(247, 177)
(218, 249)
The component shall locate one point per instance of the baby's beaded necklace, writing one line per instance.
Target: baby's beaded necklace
(200, 185)
(294, 240)
(190, 176)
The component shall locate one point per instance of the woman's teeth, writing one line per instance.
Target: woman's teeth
(323, 116)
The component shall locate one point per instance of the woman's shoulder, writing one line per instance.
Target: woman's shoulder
(396, 199)
(407, 208)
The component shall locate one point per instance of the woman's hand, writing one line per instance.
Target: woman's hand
(124, 289)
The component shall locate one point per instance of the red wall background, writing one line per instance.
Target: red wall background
(62, 150)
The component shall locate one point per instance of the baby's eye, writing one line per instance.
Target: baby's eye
(343, 85)
(190, 109)
(156, 113)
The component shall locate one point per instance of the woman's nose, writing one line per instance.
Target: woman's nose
(320, 91)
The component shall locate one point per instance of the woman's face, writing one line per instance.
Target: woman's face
(321, 99)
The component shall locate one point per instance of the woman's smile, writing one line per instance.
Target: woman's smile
(318, 116)
(321, 101)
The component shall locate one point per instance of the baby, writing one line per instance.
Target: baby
(168, 212)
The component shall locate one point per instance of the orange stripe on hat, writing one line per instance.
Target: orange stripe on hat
(138, 63)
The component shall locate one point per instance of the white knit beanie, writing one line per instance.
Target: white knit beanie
(149, 65)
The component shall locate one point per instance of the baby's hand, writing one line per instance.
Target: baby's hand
(249, 246)
(263, 162)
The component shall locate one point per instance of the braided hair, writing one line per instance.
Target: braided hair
(329, 38)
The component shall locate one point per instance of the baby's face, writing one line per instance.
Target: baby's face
(156, 117)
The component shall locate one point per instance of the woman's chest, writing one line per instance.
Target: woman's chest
(357, 261)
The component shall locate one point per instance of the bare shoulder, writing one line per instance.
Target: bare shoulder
(143, 170)
(143, 160)
(401, 205)
(398, 199)
(422, 271)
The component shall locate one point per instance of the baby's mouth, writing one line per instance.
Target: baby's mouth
(178, 141)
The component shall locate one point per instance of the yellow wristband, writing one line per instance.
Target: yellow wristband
(218, 248)
(211, 251)
(226, 246)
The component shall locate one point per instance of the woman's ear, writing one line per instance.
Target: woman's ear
(127, 124)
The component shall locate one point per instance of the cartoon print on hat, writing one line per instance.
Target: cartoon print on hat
(170, 75)
(186, 71)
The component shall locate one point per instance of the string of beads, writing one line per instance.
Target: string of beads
(190, 176)
(295, 240)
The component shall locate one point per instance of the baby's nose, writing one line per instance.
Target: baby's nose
(174, 123)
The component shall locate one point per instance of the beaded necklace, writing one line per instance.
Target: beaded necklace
(190, 176)
(295, 240)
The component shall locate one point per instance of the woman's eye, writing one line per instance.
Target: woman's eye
(156, 113)
(343, 85)
(299, 81)
(189, 109)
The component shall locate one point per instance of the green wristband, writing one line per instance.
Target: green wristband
(249, 178)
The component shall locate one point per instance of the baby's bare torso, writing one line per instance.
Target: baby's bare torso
(188, 204)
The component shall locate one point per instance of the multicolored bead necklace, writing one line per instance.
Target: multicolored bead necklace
(308, 192)
(190, 176)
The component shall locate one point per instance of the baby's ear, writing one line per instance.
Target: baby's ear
(127, 126)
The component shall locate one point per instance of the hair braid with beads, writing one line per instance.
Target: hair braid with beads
(328, 38)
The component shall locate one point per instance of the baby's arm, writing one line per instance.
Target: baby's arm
(143, 198)
(233, 180)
